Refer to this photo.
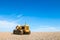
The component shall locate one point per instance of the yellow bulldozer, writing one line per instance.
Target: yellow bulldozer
(22, 29)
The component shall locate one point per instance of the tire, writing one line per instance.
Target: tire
(21, 32)
(16, 32)
(27, 32)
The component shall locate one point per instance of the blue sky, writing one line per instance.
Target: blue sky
(40, 15)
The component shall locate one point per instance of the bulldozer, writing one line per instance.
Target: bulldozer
(24, 29)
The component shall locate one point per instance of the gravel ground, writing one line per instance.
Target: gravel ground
(32, 36)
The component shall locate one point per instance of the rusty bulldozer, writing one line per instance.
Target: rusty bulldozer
(22, 30)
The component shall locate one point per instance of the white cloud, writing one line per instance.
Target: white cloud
(7, 26)
(46, 29)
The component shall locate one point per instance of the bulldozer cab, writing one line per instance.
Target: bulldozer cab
(26, 27)
(23, 27)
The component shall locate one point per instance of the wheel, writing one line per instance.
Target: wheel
(27, 32)
(16, 32)
(21, 32)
